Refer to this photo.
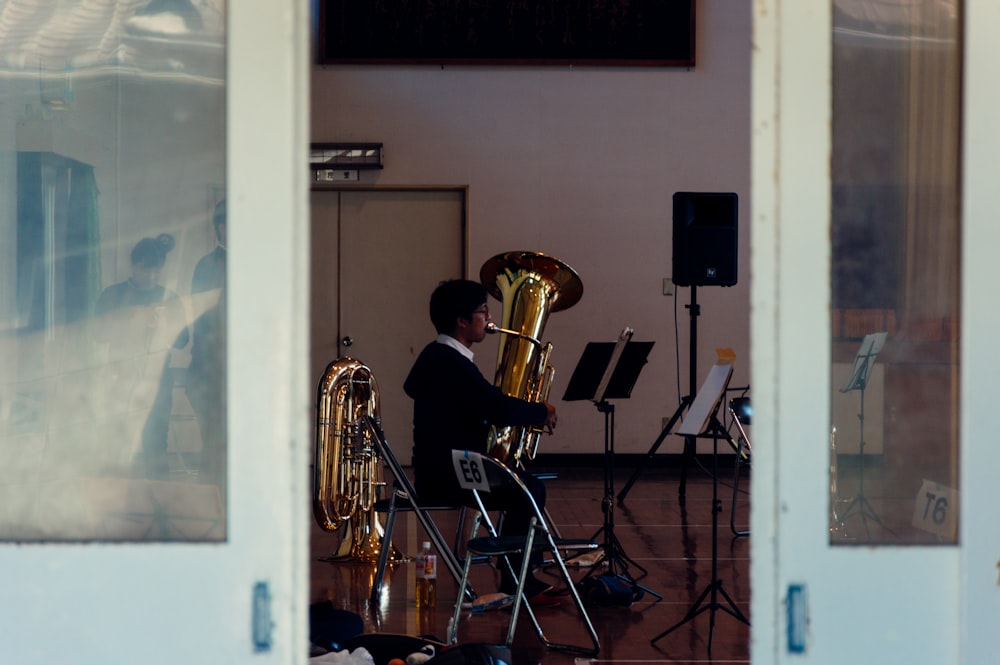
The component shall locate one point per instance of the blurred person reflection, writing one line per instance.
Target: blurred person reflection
(205, 389)
(205, 386)
(140, 321)
(210, 271)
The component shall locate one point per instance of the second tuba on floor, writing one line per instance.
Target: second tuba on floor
(347, 471)
(530, 286)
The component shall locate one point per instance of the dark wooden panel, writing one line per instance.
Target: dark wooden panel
(565, 32)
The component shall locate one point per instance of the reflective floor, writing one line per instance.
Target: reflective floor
(667, 546)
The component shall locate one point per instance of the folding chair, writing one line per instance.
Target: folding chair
(404, 498)
(741, 410)
(480, 475)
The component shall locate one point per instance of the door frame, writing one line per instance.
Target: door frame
(916, 603)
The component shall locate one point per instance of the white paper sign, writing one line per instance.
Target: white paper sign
(936, 509)
(469, 470)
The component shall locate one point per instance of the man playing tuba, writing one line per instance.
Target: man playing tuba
(454, 406)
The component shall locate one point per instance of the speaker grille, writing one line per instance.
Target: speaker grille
(704, 238)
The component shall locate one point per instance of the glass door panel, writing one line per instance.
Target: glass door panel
(895, 272)
(112, 324)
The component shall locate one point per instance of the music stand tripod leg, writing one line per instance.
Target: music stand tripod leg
(736, 488)
(651, 453)
(609, 371)
(614, 554)
(860, 505)
(714, 588)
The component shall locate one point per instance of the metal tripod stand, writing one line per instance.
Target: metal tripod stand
(614, 554)
(863, 363)
(694, 309)
(608, 370)
(708, 601)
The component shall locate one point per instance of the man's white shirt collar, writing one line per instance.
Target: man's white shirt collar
(448, 340)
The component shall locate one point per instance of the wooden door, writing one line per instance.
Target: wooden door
(377, 255)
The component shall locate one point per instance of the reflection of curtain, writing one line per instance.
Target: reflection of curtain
(83, 245)
(933, 81)
(896, 129)
(58, 240)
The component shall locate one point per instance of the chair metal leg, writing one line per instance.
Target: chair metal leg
(385, 550)
(460, 533)
(548, 517)
(519, 592)
(592, 633)
(463, 584)
(736, 489)
(448, 555)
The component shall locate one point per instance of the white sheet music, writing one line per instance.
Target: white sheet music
(616, 353)
(863, 361)
(708, 397)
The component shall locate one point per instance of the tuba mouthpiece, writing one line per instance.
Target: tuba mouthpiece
(493, 329)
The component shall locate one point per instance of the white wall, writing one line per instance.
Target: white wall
(580, 163)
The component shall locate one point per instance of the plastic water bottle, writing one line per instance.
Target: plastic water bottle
(426, 577)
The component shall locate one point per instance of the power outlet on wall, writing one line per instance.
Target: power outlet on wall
(668, 286)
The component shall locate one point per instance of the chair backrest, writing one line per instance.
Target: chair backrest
(482, 476)
(742, 412)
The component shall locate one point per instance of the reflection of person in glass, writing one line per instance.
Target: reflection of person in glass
(205, 389)
(140, 321)
(210, 271)
(205, 386)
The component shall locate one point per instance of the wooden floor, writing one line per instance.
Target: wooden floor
(669, 538)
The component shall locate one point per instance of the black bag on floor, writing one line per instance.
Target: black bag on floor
(330, 627)
(383, 647)
(609, 591)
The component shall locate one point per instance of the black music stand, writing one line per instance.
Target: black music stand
(609, 370)
(863, 363)
(702, 421)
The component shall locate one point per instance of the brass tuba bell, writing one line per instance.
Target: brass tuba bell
(530, 286)
(347, 471)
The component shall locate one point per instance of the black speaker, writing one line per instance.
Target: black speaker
(704, 252)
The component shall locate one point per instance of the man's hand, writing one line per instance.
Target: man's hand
(550, 419)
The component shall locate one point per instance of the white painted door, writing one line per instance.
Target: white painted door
(814, 602)
(241, 599)
(377, 256)
(979, 555)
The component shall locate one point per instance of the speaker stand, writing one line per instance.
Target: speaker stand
(694, 310)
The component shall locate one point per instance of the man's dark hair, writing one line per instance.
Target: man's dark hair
(454, 299)
(152, 252)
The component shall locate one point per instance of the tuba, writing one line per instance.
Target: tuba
(347, 468)
(530, 286)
